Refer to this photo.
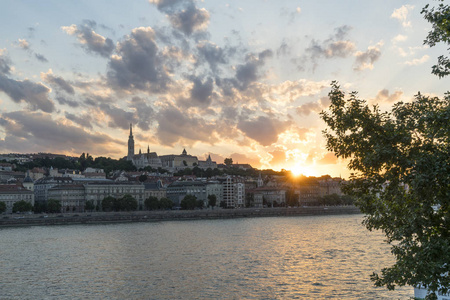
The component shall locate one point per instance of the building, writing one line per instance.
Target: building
(177, 190)
(214, 188)
(233, 191)
(207, 164)
(270, 196)
(41, 187)
(154, 189)
(97, 191)
(12, 193)
(175, 162)
(72, 197)
(142, 160)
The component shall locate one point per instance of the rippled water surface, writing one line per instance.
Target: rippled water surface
(324, 257)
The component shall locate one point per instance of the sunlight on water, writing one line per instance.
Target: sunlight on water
(264, 258)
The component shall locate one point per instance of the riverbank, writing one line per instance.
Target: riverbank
(168, 215)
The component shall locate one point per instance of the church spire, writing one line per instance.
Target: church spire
(131, 130)
(130, 144)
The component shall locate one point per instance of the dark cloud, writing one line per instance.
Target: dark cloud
(145, 113)
(212, 54)
(201, 92)
(262, 129)
(90, 40)
(307, 108)
(385, 96)
(40, 57)
(365, 60)
(39, 132)
(84, 121)
(64, 101)
(5, 63)
(250, 71)
(58, 82)
(284, 49)
(118, 118)
(139, 65)
(190, 19)
(35, 94)
(166, 6)
(175, 126)
(335, 46)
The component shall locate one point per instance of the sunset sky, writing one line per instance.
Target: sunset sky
(241, 79)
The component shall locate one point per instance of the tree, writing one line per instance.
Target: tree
(200, 204)
(223, 204)
(151, 203)
(53, 206)
(440, 19)
(2, 207)
(89, 206)
(401, 182)
(22, 206)
(165, 203)
(143, 178)
(228, 161)
(212, 199)
(188, 202)
(108, 203)
(127, 203)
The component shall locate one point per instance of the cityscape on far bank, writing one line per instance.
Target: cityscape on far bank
(54, 183)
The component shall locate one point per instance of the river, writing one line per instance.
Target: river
(314, 257)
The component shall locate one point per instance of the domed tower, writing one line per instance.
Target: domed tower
(130, 145)
(28, 182)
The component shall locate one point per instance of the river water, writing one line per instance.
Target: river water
(320, 257)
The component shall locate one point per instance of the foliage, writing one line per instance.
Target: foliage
(151, 203)
(165, 203)
(40, 207)
(89, 206)
(188, 202)
(228, 161)
(212, 199)
(126, 203)
(2, 207)
(22, 206)
(200, 204)
(143, 178)
(401, 181)
(223, 204)
(439, 17)
(53, 206)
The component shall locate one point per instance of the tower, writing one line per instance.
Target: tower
(130, 145)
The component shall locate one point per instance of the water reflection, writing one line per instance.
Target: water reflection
(266, 258)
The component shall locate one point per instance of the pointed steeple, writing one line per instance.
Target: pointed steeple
(140, 151)
(260, 181)
(148, 149)
(130, 144)
(131, 130)
(184, 152)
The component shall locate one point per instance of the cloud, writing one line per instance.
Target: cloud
(90, 40)
(201, 92)
(45, 135)
(418, 61)
(145, 113)
(57, 82)
(5, 63)
(138, 64)
(118, 118)
(384, 96)
(307, 108)
(278, 158)
(166, 5)
(262, 129)
(328, 159)
(336, 46)
(24, 44)
(401, 14)
(190, 19)
(40, 57)
(175, 126)
(399, 38)
(35, 94)
(212, 54)
(84, 120)
(250, 71)
(365, 60)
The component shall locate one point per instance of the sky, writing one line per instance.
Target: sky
(240, 79)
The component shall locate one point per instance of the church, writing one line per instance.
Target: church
(171, 162)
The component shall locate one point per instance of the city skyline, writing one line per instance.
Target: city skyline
(245, 80)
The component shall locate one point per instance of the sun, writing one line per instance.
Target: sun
(298, 170)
